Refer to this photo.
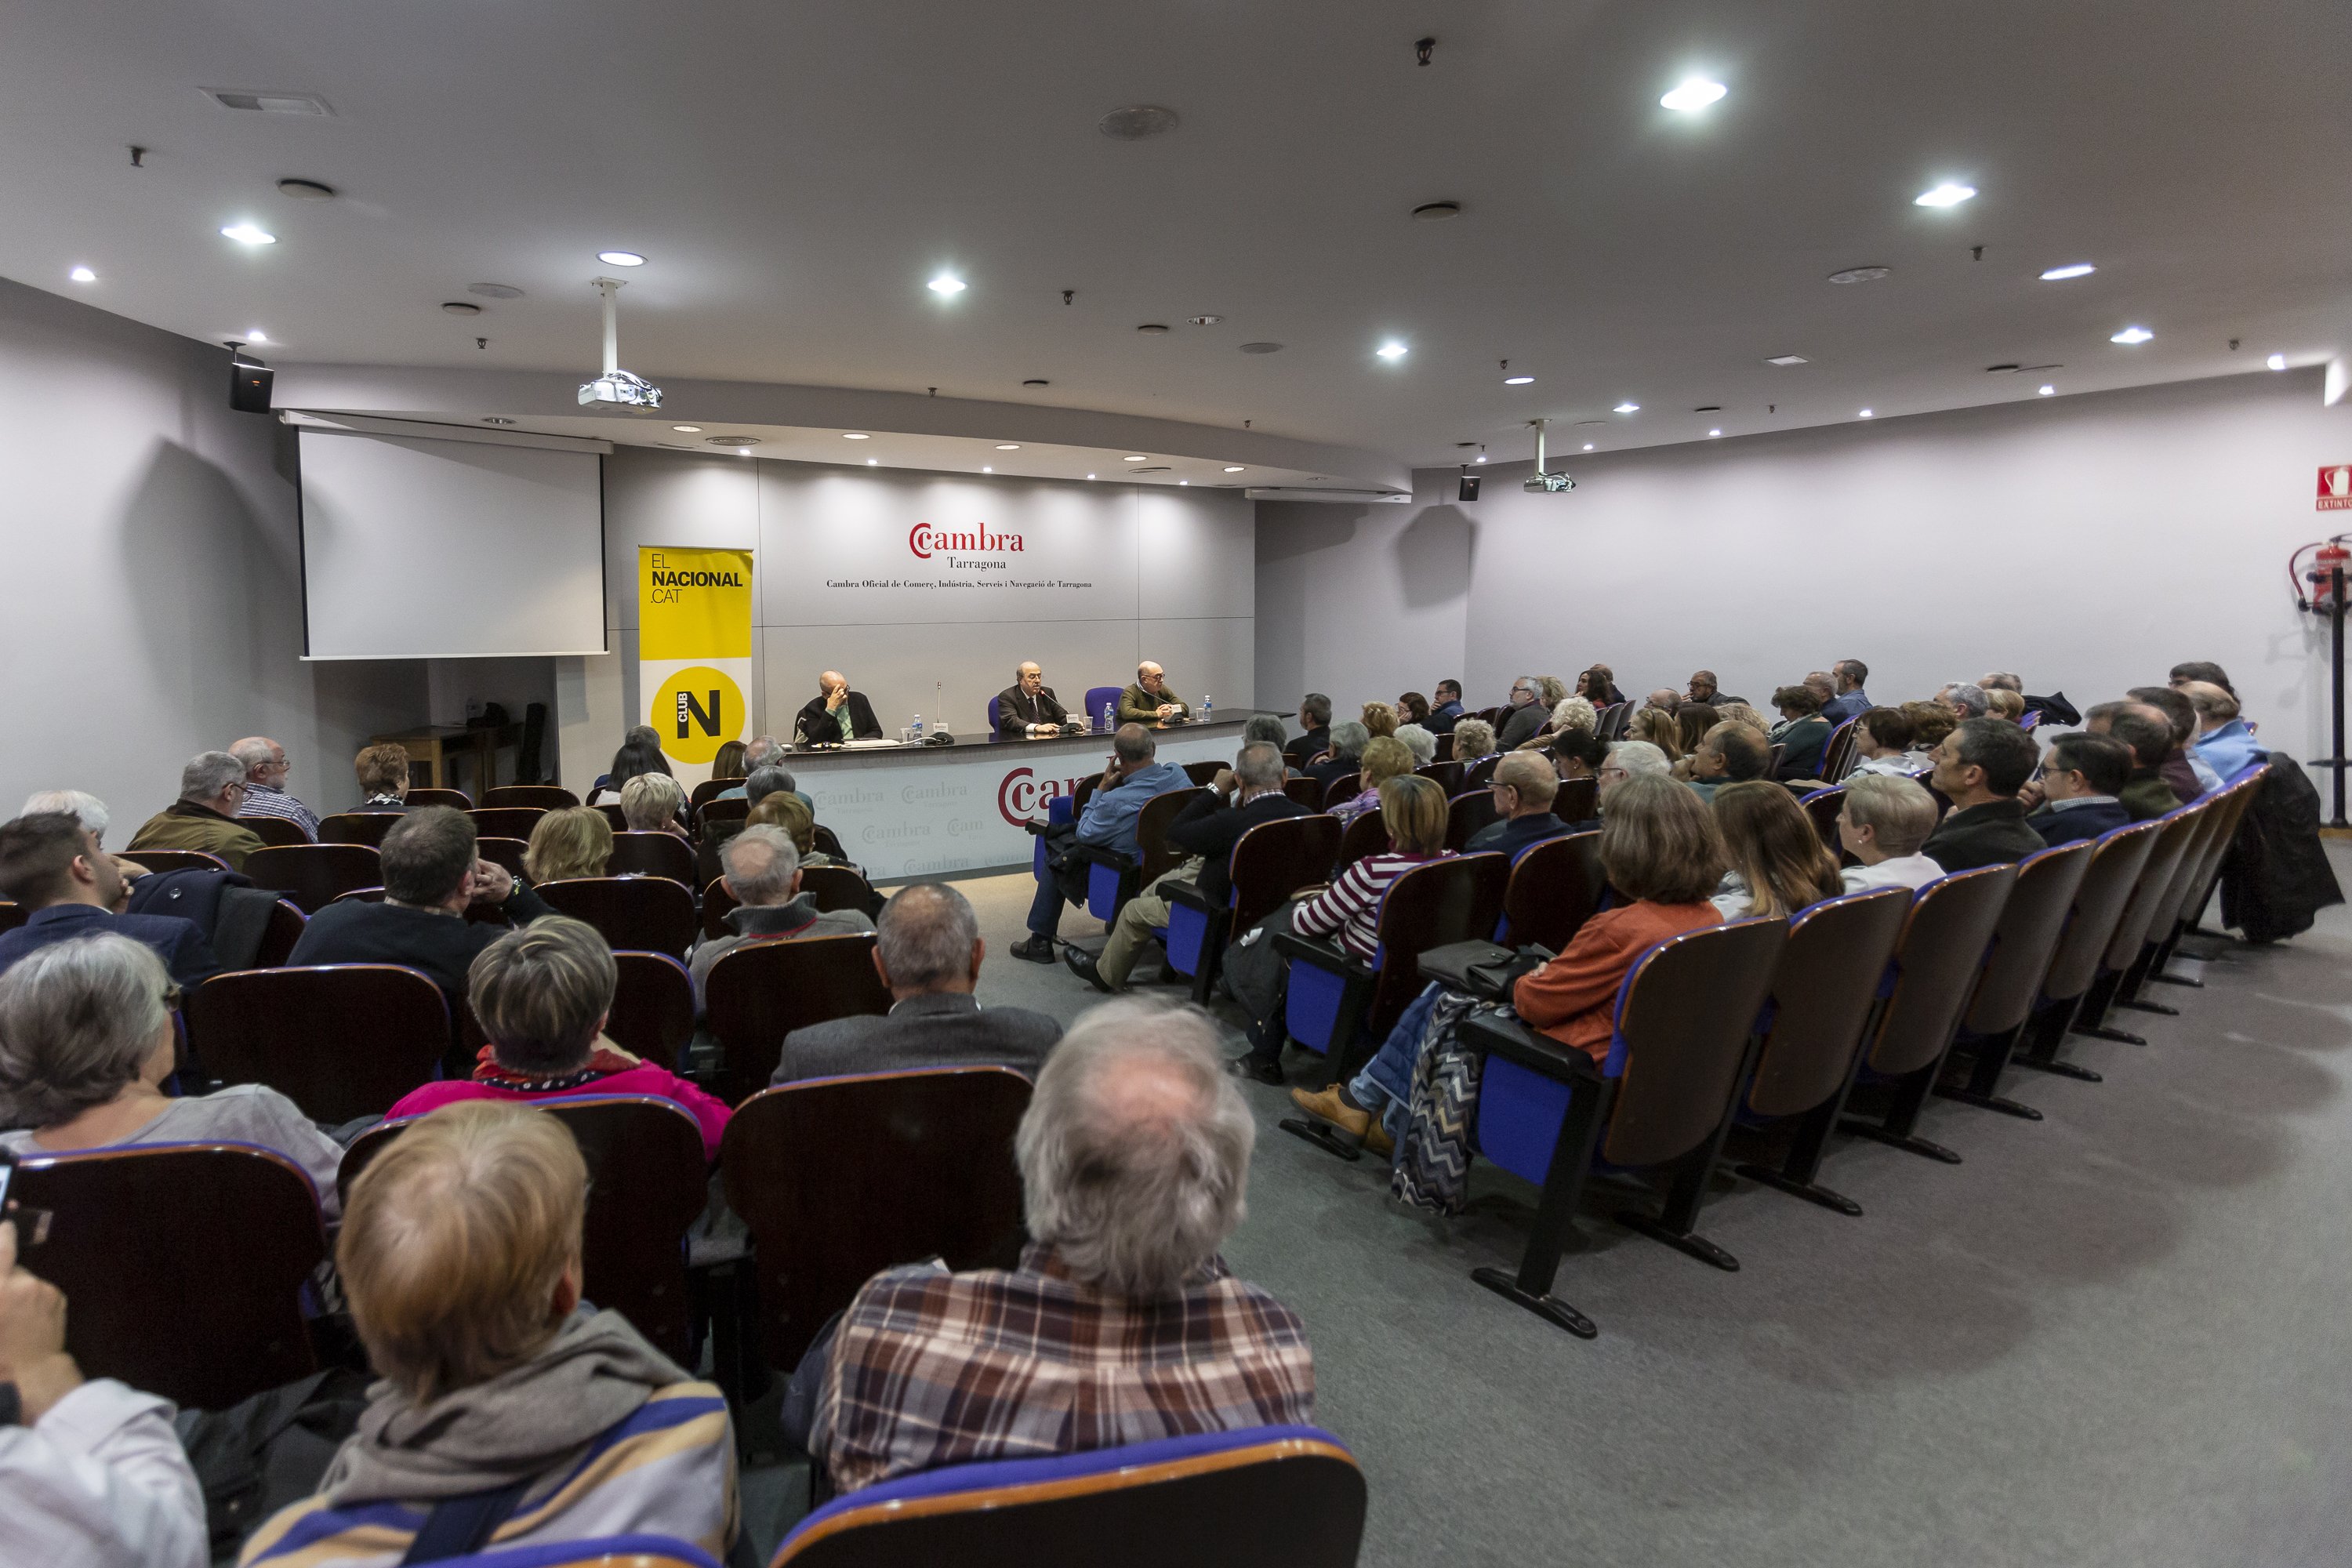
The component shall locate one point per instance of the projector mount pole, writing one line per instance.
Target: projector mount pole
(1540, 425)
(609, 287)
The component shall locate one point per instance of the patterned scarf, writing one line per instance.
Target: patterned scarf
(602, 1062)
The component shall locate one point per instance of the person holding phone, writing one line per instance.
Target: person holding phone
(90, 1471)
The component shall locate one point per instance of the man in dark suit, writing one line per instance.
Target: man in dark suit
(1523, 785)
(1212, 823)
(836, 714)
(2081, 779)
(927, 953)
(1979, 767)
(1028, 707)
(1315, 718)
(52, 867)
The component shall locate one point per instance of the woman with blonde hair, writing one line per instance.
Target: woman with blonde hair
(1349, 912)
(727, 764)
(1741, 713)
(577, 841)
(1473, 741)
(1660, 729)
(788, 811)
(2003, 703)
(1777, 861)
(1380, 718)
(1385, 758)
(651, 803)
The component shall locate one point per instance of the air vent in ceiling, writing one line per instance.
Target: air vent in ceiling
(731, 440)
(1156, 468)
(1261, 348)
(265, 100)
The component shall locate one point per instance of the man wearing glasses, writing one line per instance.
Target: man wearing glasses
(1527, 715)
(212, 788)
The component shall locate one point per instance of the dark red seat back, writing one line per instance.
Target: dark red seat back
(502, 852)
(1553, 890)
(506, 821)
(182, 1264)
(613, 814)
(761, 991)
(546, 797)
(1453, 899)
(724, 811)
(161, 861)
(1158, 857)
(340, 1040)
(1274, 859)
(653, 913)
(12, 915)
(1466, 814)
(1447, 776)
(456, 798)
(1367, 833)
(652, 1006)
(2176, 832)
(278, 937)
(2116, 860)
(314, 875)
(707, 791)
(1687, 1012)
(919, 1163)
(651, 854)
(1822, 991)
(716, 903)
(835, 886)
(1345, 787)
(366, 827)
(278, 830)
(1823, 805)
(1577, 800)
(1946, 940)
(2025, 940)
(1306, 792)
(1203, 772)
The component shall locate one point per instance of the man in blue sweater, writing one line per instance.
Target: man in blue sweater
(1133, 776)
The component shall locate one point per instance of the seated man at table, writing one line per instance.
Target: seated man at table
(52, 865)
(1523, 785)
(927, 953)
(763, 872)
(1134, 775)
(1028, 708)
(1212, 823)
(1148, 701)
(1121, 1323)
(836, 714)
(431, 878)
(2082, 777)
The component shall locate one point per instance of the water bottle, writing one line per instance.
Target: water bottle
(1106, 726)
(918, 727)
(1208, 710)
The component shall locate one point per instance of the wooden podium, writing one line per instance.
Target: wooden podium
(435, 750)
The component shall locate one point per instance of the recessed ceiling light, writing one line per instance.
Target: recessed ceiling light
(2276, 362)
(1715, 432)
(82, 274)
(1090, 476)
(620, 259)
(1860, 275)
(856, 436)
(1785, 360)
(1867, 414)
(986, 470)
(2071, 269)
(1517, 380)
(1233, 468)
(1008, 446)
(1693, 95)
(306, 190)
(1588, 445)
(247, 234)
(1135, 458)
(1205, 320)
(2048, 390)
(1946, 194)
(688, 429)
(257, 336)
(2132, 335)
(1183, 481)
(743, 451)
(947, 283)
(1627, 408)
(1136, 122)
(1479, 458)
(1390, 350)
(873, 462)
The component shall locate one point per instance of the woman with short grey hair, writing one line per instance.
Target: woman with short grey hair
(1420, 742)
(86, 1042)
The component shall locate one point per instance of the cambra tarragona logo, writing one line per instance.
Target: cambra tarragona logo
(1022, 796)
(697, 711)
(923, 540)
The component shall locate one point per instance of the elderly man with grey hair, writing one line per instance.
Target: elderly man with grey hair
(265, 768)
(928, 954)
(763, 753)
(1348, 739)
(1965, 699)
(1314, 722)
(1239, 798)
(212, 790)
(1121, 1323)
(763, 872)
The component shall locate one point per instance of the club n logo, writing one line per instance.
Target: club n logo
(688, 709)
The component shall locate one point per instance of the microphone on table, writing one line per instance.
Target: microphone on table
(937, 738)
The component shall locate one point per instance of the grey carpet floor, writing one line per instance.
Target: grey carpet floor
(2119, 1335)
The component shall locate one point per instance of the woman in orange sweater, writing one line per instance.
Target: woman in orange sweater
(1663, 857)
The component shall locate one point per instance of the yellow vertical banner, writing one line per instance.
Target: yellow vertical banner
(694, 651)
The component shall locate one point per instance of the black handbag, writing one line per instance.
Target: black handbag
(1486, 970)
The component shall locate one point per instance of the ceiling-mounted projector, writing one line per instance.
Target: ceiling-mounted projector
(616, 388)
(1540, 483)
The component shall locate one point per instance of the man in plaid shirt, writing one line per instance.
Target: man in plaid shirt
(1121, 1325)
(265, 768)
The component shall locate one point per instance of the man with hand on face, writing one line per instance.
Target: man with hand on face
(836, 714)
(1028, 708)
(1148, 701)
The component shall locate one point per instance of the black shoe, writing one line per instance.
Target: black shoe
(1082, 964)
(1264, 1069)
(1036, 950)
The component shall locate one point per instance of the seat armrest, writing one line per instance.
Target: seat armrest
(1321, 952)
(1104, 855)
(1189, 894)
(1492, 1035)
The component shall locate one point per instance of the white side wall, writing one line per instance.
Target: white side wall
(2087, 543)
(153, 585)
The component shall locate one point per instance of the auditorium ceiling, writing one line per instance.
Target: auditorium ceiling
(796, 174)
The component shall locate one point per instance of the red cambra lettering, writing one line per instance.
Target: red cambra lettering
(923, 539)
(1022, 796)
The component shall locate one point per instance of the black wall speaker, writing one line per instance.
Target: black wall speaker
(1469, 490)
(248, 386)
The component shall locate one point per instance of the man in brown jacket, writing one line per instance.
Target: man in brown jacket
(1148, 701)
(212, 788)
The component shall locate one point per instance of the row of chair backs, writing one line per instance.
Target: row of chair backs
(1829, 977)
(761, 991)
(315, 874)
(1274, 859)
(1466, 814)
(1937, 964)
(1554, 888)
(2117, 859)
(184, 1265)
(2177, 830)
(1455, 899)
(653, 914)
(2026, 938)
(1307, 791)
(1838, 750)
(545, 798)
(1366, 833)
(1447, 776)
(840, 1178)
(339, 1041)
(1687, 1008)
(1347, 786)
(277, 830)
(655, 853)
(647, 1184)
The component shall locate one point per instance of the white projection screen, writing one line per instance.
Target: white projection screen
(418, 548)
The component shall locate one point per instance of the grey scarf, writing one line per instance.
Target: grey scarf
(527, 1421)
